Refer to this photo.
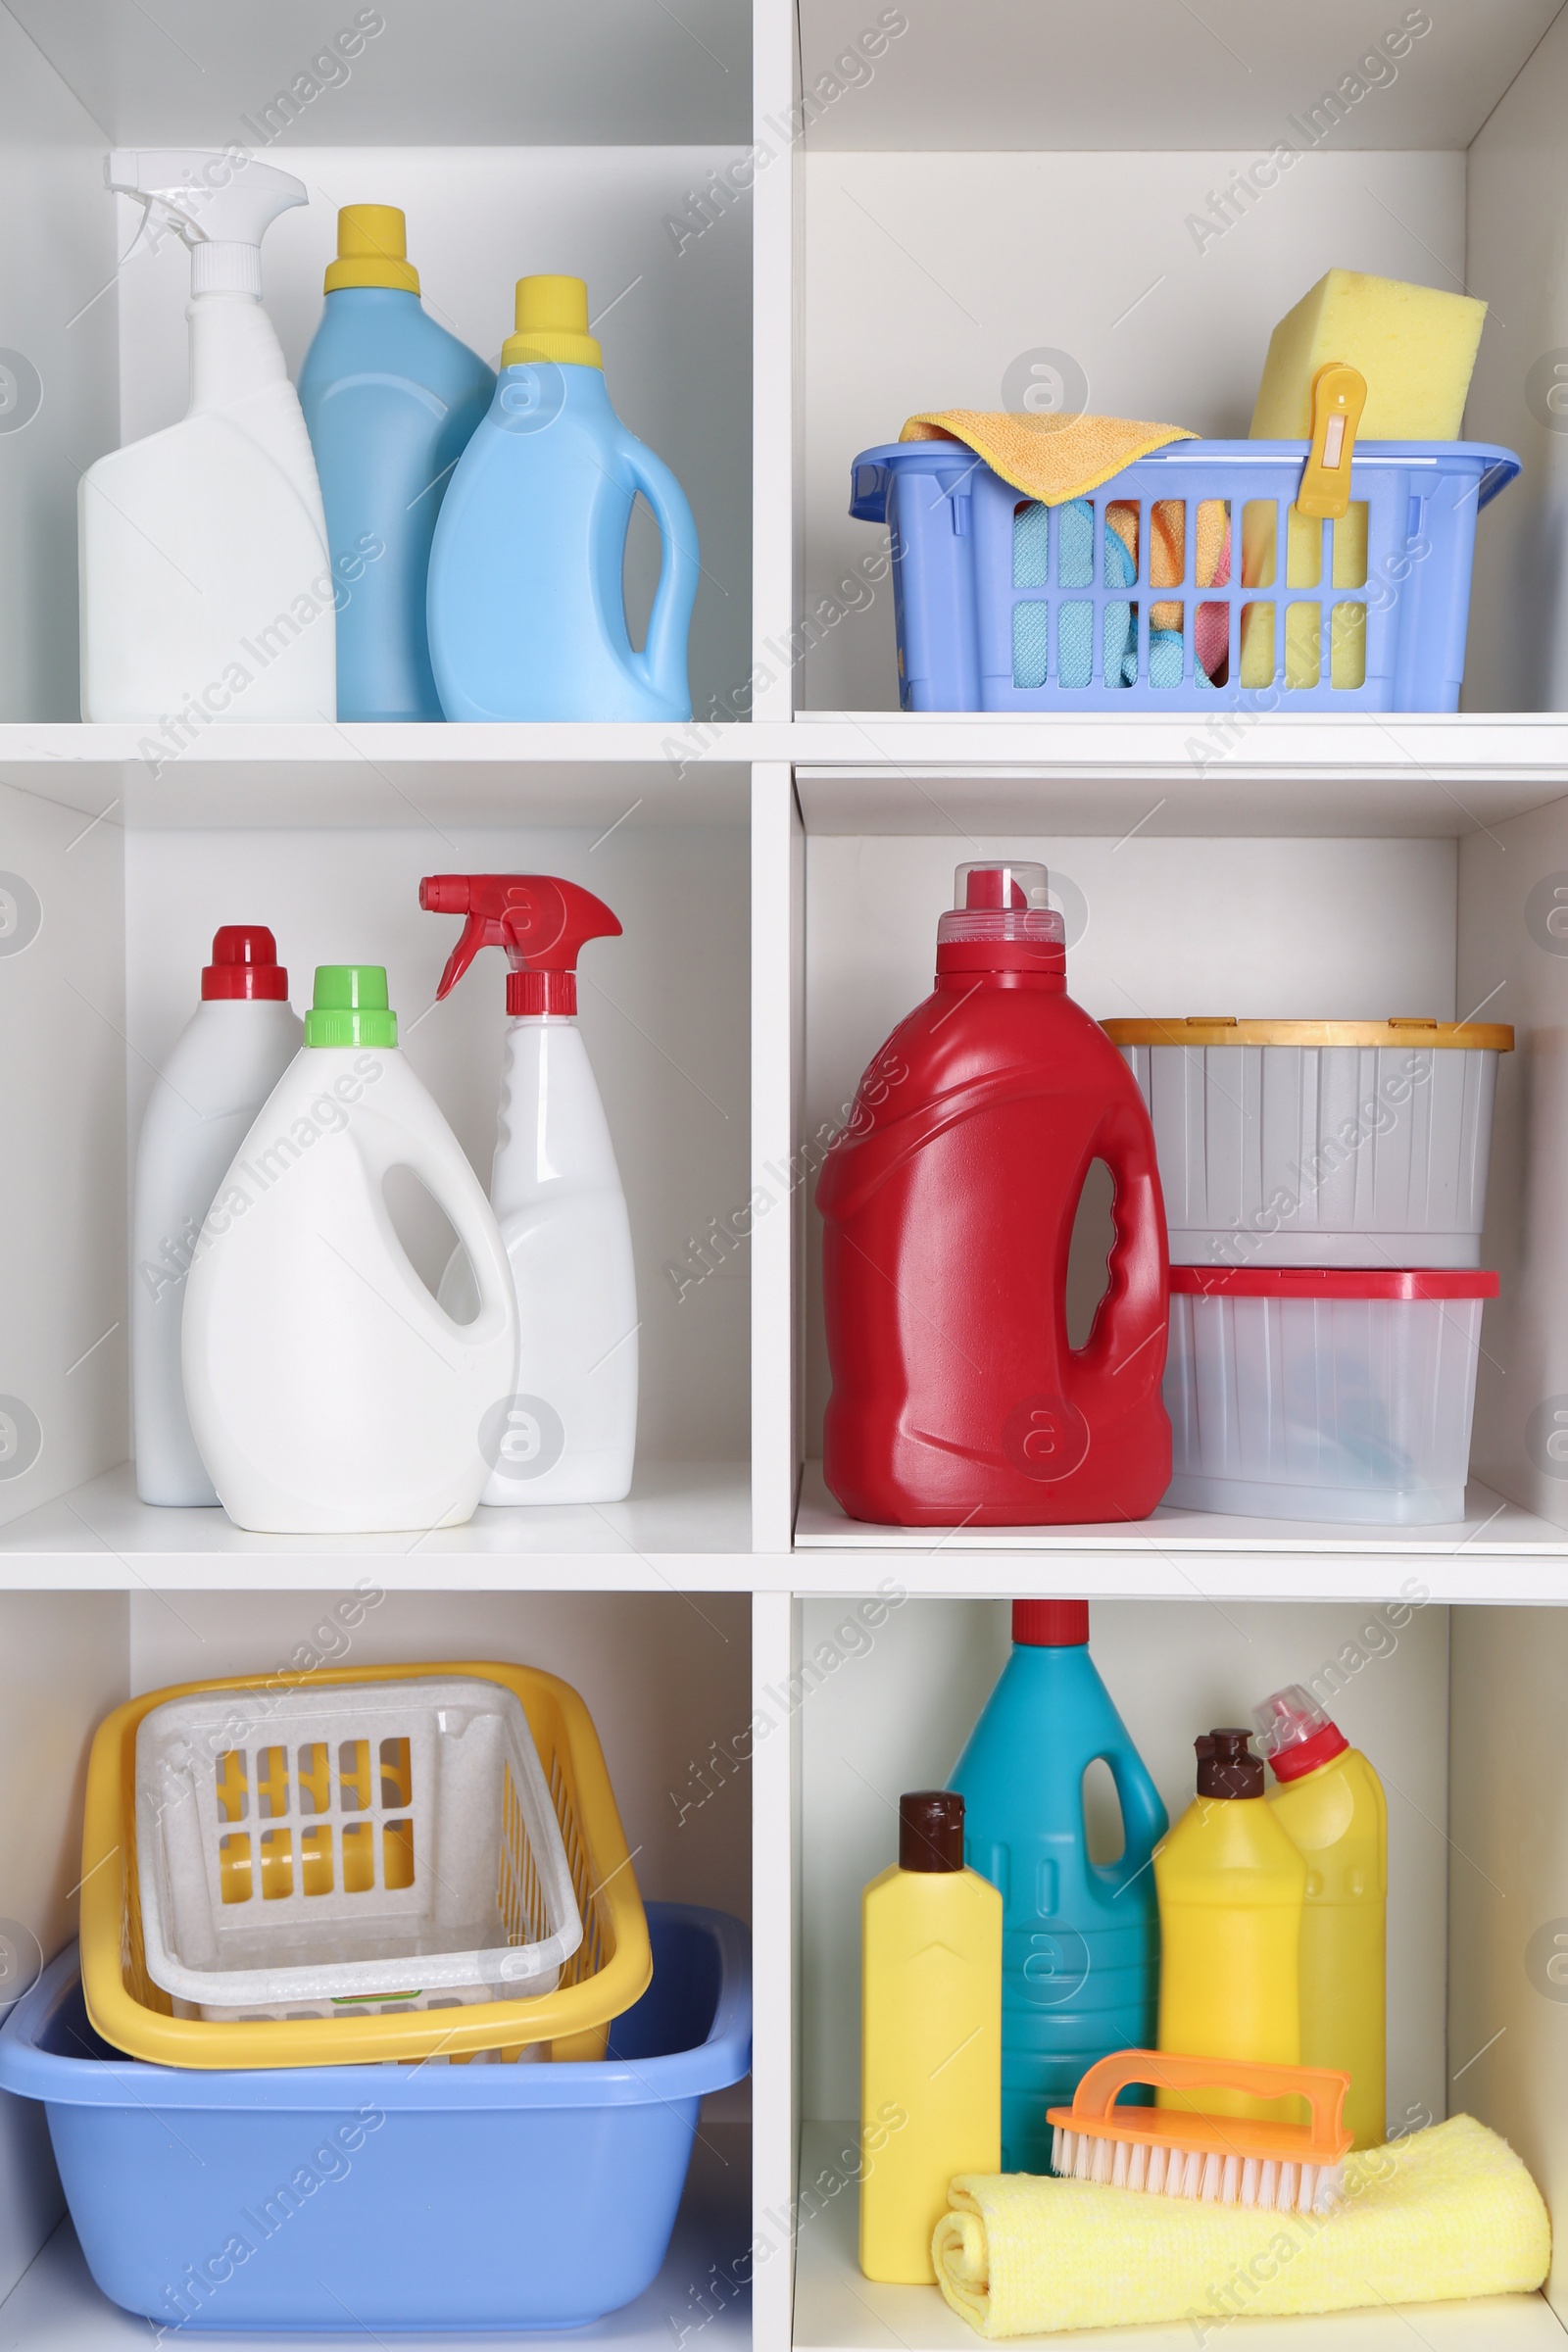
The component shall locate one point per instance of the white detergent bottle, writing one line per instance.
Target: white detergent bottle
(327, 1390)
(226, 1062)
(207, 588)
(571, 1431)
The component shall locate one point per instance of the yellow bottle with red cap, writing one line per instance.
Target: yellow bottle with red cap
(930, 2036)
(1330, 1801)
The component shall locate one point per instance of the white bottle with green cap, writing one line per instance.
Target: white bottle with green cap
(328, 1393)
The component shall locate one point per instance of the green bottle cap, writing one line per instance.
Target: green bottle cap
(350, 1007)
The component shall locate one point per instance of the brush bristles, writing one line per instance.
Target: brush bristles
(1207, 2175)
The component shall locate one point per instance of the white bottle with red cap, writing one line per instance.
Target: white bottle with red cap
(226, 1062)
(570, 1432)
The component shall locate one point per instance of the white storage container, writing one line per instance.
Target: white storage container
(1320, 1142)
(303, 1851)
(1323, 1394)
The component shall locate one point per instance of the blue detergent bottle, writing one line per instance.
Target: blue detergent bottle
(526, 610)
(390, 401)
(1080, 1947)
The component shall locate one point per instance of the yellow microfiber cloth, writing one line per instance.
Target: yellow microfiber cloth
(1049, 458)
(1444, 2214)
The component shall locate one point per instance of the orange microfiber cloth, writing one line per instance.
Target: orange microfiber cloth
(1049, 458)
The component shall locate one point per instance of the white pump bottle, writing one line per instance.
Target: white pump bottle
(207, 588)
(570, 1432)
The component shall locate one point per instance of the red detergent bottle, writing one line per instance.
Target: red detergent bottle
(948, 1204)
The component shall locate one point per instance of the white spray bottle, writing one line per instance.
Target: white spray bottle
(207, 588)
(571, 1430)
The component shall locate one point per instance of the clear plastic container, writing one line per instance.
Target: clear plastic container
(1323, 1394)
(1319, 1143)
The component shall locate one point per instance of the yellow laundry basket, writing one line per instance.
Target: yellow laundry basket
(610, 1970)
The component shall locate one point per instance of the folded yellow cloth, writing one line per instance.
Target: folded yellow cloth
(1444, 2214)
(1051, 458)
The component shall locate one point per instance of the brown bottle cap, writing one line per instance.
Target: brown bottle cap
(931, 1829)
(1226, 1765)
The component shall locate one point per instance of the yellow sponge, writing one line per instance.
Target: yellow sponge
(1415, 346)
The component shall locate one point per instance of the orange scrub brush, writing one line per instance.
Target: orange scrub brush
(1220, 2159)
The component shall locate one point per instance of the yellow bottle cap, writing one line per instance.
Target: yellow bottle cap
(373, 248)
(552, 324)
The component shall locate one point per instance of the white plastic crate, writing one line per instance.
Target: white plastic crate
(374, 1845)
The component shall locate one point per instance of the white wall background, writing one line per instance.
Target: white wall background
(665, 1013)
(897, 1717)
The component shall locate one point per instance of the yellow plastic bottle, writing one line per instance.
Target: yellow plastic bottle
(1330, 1801)
(1231, 1887)
(930, 2036)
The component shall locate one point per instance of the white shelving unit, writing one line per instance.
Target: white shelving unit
(932, 194)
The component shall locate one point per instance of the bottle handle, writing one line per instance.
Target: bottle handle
(661, 664)
(1144, 1818)
(1126, 1344)
(461, 1197)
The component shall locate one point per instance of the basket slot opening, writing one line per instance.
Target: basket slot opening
(1031, 544)
(272, 1784)
(314, 1776)
(359, 1857)
(1258, 663)
(518, 1895)
(1031, 639)
(1349, 547)
(233, 1794)
(1303, 551)
(1303, 634)
(354, 1776)
(277, 1865)
(397, 1854)
(234, 1865)
(397, 1775)
(315, 1859)
(1075, 643)
(1120, 646)
(1347, 646)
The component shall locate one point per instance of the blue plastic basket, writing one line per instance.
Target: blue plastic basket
(1002, 604)
(484, 2197)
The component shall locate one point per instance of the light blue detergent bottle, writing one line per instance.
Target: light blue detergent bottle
(526, 610)
(390, 401)
(1080, 1945)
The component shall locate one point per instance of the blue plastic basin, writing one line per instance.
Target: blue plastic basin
(389, 2197)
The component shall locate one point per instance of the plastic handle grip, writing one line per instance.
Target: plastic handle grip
(1323, 2088)
(661, 664)
(464, 1205)
(1144, 1818)
(1134, 1308)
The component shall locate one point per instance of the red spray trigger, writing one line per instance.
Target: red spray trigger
(541, 922)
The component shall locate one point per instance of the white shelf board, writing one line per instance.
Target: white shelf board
(1051, 73)
(838, 2310)
(55, 2307)
(329, 775)
(1497, 1553)
(1431, 775)
(684, 1523)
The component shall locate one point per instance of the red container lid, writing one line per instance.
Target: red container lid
(1333, 1281)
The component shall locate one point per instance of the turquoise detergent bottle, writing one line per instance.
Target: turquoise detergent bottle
(527, 613)
(390, 401)
(1080, 1947)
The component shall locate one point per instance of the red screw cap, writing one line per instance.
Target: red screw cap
(244, 964)
(1050, 1624)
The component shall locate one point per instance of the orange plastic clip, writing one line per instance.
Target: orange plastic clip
(1338, 396)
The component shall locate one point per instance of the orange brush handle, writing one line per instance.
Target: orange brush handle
(1323, 2088)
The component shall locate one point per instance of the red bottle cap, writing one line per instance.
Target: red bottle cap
(244, 964)
(1050, 1624)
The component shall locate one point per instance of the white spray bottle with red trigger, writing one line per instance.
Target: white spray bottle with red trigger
(571, 1431)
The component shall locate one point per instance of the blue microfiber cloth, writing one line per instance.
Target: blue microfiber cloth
(1075, 622)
